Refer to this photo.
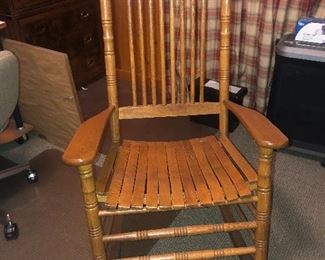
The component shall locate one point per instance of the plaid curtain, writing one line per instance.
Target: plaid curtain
(255, 27)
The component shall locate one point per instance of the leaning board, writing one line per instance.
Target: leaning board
(48, 99)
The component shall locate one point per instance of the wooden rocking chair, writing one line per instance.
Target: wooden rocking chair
(144, 177)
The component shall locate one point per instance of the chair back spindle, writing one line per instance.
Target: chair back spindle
(203, 49)
(110, 68)
(132, 58)
(224, 64)
(172, 50)
(182, 42)
(142, 53)
(193, 54)
(164, 45)
(152, 53)
(162, 52)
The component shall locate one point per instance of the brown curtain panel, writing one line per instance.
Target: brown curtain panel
(255, 27)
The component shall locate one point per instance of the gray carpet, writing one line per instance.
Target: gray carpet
(52, 221)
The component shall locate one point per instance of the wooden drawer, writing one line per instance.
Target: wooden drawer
(68, 26)
(86, 67)
(14, 8)
(45, 29)
(78, 42)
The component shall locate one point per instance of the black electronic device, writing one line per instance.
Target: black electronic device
(211, 93)
(297, 97)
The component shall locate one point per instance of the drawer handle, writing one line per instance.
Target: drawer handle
(90, 62)
(84, 14)
(88, 38)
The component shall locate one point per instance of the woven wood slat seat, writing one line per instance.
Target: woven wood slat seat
(181, 174)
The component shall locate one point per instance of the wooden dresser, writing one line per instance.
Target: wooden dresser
(69, 26)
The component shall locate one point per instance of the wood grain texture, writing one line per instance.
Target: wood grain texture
(179, 231)
(224, 69)
(203, 48)
(172, 51)
(171, 175)
(226, 183)
(211, 179)
(190, 194)
(153, 76)
(247, 170)
(84, 145)
(110, 64)
(142, 53)
(109, 211)
(47, 96)
(195, 255)
(264, 204)
(241, 185)
(129, 177)
(168, 110)
(258, 126)
(193, 52)
(152, 196)
(105, 172)
(174, 176)
(165, 195)
(118, 177)
(182, 44)
(196, 173)
(162, 51)
(91, 207)
(132, 59)
(121, 39)
(141, 177)
(203, 192)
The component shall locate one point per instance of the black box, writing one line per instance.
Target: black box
(212, 95)
(297, 99)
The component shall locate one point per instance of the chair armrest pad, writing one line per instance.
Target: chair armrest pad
(258, 126)
(84, 145)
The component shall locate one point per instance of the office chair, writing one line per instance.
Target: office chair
(12, 128)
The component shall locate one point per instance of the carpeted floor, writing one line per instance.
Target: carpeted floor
(53, 225)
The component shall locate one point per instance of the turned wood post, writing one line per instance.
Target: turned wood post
(91, 206)
(224, 67)
(110, 65)
(264, 195)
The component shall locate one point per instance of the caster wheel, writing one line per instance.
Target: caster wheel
(31, 176)
(11, 230)
(22, 139)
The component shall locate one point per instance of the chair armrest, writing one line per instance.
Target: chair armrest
(258, 126)
(84, 145)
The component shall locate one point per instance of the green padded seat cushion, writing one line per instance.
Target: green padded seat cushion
(9, 86)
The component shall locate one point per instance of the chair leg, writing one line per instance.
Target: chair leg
(91, 206)
(263, 204)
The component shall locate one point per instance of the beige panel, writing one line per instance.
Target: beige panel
(48, 98)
